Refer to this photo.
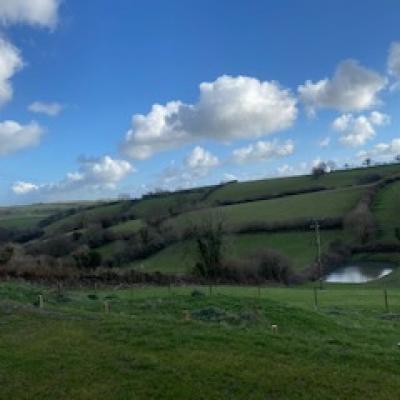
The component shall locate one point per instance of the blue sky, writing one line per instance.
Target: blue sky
(81, 70)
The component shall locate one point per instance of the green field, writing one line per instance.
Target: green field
(253, 189)
(128, 226)
(157, 343)
(299, 247)
(27, 217)
(334, 203)
(93, 215)
(387, 210)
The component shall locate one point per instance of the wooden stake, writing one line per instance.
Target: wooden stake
(106, 307)
(41, 302)
(316, 298)
(385, 296)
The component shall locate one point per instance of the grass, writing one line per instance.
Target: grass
(127, 227)
(242, 190)
(144, 349)
(299, 247)
(387, 210)
(27, 217)
(88, 216)
(324, 204)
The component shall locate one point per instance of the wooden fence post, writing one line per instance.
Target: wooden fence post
(106, 307)
(316, 298)
(385, 296)
(41, 302)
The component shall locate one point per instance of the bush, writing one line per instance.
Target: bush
(368, 178)
(87, 259)
(361, 223)
(273, 266)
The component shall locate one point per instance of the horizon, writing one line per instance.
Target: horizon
(128, 98)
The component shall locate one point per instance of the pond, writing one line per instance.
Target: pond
(359, 272)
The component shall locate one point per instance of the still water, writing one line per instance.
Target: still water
(359, 273)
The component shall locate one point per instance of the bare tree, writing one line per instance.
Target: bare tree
(209, 238)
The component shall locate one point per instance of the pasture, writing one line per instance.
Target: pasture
(185, 343)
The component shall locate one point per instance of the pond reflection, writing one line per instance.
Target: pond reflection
(359, 273)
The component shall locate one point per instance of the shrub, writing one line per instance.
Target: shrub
(368, 178)
(273, 266)
(361, 223)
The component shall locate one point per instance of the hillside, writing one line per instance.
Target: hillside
(155, 233)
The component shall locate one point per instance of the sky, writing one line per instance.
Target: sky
(100, 98)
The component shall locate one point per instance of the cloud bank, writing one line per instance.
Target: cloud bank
(14, 137)
(262, 151)
(93, 174)
(356, 131)
(382, 151)
(228, 109)
(34, 12)
(352, 88)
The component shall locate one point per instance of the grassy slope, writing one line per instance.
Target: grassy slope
(334, 203)
(387, 210)
(242, 190)
(145, 350)
(298, 246)
(92, 215)
(127, 226)
(26, 217)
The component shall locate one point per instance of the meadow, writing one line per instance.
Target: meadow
(183, 342)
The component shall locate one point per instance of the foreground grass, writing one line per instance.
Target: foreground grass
(145, 349)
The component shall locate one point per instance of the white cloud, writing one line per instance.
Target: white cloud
(262, 150)
(352, 88)
(94, 174)
(22, 187)
(14, 137)
(382, 151)
(324, 142)
(33, 12)
(355, 131)
(394, 60)
(229, 108)
(200, 158)
(197, 165)
(305, 167)
(50, 109)
(10, 63)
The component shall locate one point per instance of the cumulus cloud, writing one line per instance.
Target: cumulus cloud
(382, 151)
(262, 151)
(355, 131)
(50, 109)
(352, 88)
(22, 187)
(93, 174)
(200, 158)
(33, 12)
(229, 108)
(197, 165)
(15, 137)
(10, 63)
